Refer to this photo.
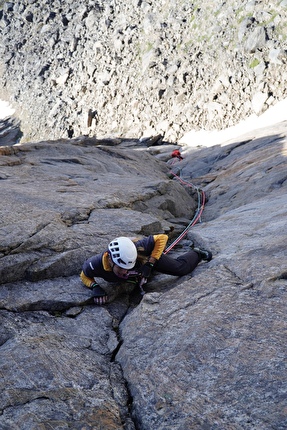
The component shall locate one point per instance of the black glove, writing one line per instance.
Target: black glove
(146, 269)
(100, 296)
(94, 285)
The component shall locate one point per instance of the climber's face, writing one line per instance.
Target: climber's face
(120, 272)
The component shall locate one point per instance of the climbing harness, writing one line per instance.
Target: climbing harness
(200, 204)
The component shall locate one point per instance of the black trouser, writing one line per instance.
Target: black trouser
(178, 266)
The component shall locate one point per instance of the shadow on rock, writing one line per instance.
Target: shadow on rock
(10, 131)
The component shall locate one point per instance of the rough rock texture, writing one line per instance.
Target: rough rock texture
(206, 351)
(10, 132)
(140, 68)
(62, 200)
(211, 353)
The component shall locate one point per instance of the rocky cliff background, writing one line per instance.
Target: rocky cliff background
(205, 351)
(140, 67)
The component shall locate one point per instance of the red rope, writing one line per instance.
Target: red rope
(197, 216)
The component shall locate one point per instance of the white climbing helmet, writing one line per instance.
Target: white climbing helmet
(123, 252)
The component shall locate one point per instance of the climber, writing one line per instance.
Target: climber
(126, 258)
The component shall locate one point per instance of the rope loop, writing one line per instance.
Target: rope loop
(201, 199)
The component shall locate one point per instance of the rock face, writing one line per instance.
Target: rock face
(10, 132)
(140, 68)
(204, 351)
(63, 192)
(209, 353)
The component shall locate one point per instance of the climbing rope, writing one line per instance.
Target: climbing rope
(200, 205)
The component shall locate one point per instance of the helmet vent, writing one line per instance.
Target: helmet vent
(123, 252)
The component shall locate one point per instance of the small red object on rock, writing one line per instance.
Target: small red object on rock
(176, 154)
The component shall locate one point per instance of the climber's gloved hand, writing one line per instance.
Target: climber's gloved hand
(146, 269)
(100, 296)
